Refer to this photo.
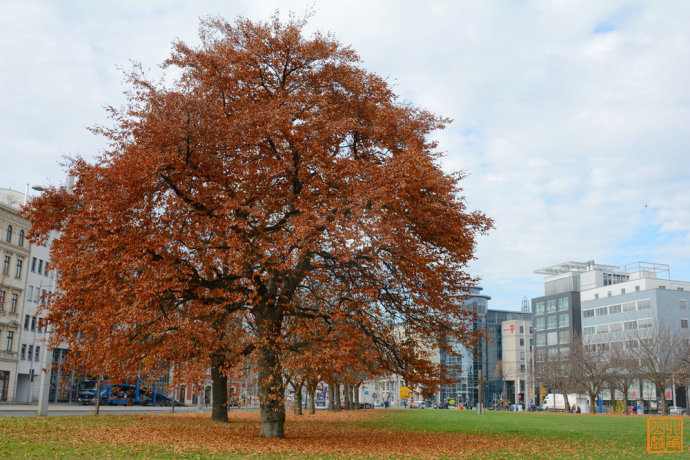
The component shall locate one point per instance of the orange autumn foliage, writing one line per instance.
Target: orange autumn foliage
(275, 163)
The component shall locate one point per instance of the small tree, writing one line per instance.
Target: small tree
(662, 351)
(591, 368)
(559, 374)
(625, 370)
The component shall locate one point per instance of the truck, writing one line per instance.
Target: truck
(121, 394)
(556, 402)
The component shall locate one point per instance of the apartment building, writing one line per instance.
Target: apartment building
(14, 256)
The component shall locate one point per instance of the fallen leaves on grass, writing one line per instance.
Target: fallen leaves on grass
(342, 434)
(339, 434)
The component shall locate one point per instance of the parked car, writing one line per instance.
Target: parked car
(676, 410)
(165, 401)
(366, 406)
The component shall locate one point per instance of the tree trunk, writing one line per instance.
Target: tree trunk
(356, 396)
(661, 388)
(336, 388)
(297, 409)
(348, 402)
(592, 402)
(271, 388)
(625, 399)
(331, 397)
(566, 403)
(312, 402)
(219, 387)
(98, 395)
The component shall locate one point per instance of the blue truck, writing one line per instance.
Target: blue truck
(122, 394)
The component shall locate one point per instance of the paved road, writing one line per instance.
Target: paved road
(26, 410)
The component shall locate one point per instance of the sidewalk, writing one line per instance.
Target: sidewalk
(66, 407)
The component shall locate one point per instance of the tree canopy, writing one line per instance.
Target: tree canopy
(275, 179)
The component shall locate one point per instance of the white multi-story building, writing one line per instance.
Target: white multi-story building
(14, 256)
(611, 306)
(39, 283)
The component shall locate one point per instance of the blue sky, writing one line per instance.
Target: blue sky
(570, 118)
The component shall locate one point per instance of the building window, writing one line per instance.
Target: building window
(522, 342)
(596, 296)
(622, 291)
(563, 337)
(629, 306)
(588, 331)
(33, 323)
(8, 235)
(40, 266)
(522, 368)
(630, 325)
(684, 323)
(37, 353)
(541, 340)
(602, 311)
(644, 323)
(30, 293)
(616, 327)
(540, 324)
(539, 308)
(552, 338)
(637, 288)
(26, 322)
(683, 304)
(588, 313)
(13, 303)
(563, 320)
(551, 306)
(30, 353)
(609, 294)
(522, 329)
(551, 322)
(18, 272)
(630, 344)
(20, 241)
(604, 329)
(6, 265)
(562, 304)
(613, 309)
(10, 340)
(644, 304)
(33, 265)
(2, 300)
(22, 354)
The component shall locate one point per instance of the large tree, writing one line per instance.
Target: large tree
(274, 163)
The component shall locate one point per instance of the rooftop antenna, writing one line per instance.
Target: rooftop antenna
(525, 306)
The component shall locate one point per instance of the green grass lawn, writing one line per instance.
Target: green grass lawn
(504, 434)
(610, 435)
